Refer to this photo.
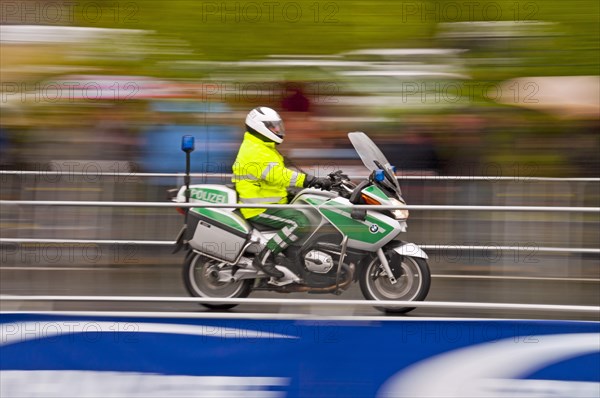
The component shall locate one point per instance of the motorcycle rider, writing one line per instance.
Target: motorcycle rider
(260, 176)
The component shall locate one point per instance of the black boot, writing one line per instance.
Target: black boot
(264, 263)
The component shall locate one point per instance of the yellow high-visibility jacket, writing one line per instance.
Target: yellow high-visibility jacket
(260, 175)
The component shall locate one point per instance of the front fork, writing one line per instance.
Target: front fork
(386, 266)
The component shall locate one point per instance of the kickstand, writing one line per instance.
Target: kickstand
(339, 268)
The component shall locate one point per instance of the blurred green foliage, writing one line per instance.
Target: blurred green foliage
(241, 29)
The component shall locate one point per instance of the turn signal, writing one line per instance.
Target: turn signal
(370, 201)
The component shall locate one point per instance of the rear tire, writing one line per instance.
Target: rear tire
(200, 281)
(412, 285)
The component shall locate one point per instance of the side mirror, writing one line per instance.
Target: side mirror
(355, 197)
(187, 143)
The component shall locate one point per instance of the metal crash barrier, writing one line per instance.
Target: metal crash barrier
(288, 206)
(516, 250)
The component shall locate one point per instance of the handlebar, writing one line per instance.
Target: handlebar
(341, 183)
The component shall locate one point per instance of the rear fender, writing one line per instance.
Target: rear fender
(180, 241)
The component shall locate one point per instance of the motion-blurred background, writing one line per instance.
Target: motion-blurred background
(447, 88)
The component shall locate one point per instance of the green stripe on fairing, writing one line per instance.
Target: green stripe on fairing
(375, 191)
(355, 230)
(221, 218)
(347, 209)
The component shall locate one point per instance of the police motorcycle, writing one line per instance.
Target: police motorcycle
(346, 244)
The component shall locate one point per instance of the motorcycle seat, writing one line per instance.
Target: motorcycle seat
(261, 227)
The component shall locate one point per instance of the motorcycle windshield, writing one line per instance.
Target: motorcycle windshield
(371, 156)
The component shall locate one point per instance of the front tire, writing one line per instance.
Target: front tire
(412, 285)
(199, 275)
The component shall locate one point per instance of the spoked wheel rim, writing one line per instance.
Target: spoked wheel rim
(203, 276)
(407, 286)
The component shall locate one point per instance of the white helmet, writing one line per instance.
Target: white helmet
(266, 122)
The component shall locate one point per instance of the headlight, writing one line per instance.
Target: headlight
(399, 214)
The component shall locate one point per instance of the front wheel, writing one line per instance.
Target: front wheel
(200, 275)
(412, 284)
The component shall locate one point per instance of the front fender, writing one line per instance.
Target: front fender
(406, 249)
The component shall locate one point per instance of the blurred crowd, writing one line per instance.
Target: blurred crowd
(146, 132)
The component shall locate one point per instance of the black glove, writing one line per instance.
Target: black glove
(315, 182)
(338, 176)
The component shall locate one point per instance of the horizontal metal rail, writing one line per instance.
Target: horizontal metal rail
(427, 247)
(90, 241)
(254, 316)
(530, 248)
(309, 302)
(258, 316)
(97, 268)
(228, 175)
(434, 276)
(79, 203)
(509, 278)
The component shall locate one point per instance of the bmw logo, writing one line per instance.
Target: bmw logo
(374, 228)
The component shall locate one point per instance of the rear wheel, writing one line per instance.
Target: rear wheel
(200, 275)
(412, 281)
